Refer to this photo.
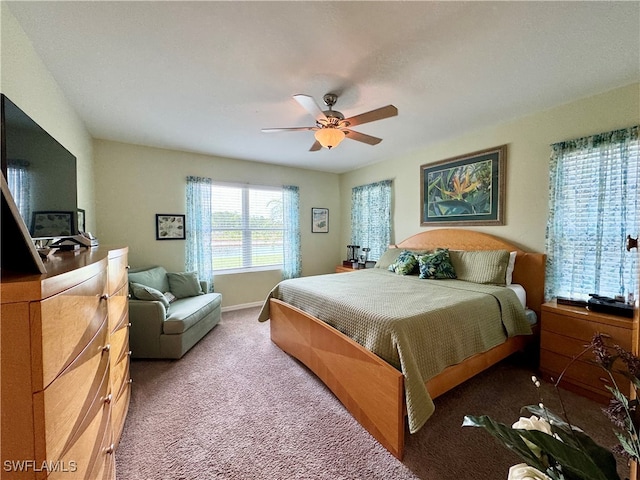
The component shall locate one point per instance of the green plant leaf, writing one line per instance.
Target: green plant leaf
(510, 438)
(580, 457)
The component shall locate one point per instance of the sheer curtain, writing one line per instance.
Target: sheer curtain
(371, 217)
(291, 267)
(199, 250)
(593, 206)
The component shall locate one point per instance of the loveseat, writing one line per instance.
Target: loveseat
(169, 312)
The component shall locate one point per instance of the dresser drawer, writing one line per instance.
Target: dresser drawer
(585, 329)
(64, 406)
(63, 325)
(119, 375)
(117, 270)
(119, 410)
(118, 308)
(94, 446)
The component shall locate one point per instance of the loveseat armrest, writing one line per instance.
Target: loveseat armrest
(147, 321)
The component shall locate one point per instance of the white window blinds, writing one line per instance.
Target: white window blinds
(593, 206)
(247, 227)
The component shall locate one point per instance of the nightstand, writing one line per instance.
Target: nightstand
(564, 333)
(343, 269)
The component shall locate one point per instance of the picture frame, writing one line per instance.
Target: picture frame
(81, 220)
(50, 224)
(170, 226)
(464, 190)
(319, 220)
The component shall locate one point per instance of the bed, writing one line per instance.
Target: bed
(386, 391)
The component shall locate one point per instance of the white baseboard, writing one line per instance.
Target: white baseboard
(242, 306)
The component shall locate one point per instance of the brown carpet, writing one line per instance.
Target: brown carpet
(237, 407)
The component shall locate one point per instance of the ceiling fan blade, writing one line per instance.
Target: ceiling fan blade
(361, 137)
(315, 147)
(373, 115)
(292, 129)
(310, 105)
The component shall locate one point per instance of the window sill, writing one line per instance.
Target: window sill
(233, 271)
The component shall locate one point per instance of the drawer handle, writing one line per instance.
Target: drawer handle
(110, 449)
(106, 348)
(108, 399)
(129, 324)
(130, 380)
(129, 352)
(104, 296)
(128, 267)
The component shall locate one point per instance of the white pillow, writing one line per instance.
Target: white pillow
(512, 263)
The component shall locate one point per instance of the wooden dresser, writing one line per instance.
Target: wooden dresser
(65, 366)
(565, 330)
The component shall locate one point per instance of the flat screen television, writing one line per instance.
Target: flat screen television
(41, 175)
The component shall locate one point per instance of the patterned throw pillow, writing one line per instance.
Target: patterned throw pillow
(436, 265)
(405, 264)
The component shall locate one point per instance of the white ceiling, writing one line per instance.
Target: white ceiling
(206, 76)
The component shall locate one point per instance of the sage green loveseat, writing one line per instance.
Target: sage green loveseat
(162, 327)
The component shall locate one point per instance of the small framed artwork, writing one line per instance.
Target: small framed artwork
(464, 190)
(81, 221)
(319, 220)
(52, 224)
(169, 226)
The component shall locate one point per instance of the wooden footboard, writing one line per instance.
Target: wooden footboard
(370, 389)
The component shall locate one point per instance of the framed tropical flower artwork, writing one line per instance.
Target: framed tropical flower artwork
(464, 190)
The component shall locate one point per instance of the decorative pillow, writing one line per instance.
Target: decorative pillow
(170, 297)
(142, 292)
(510, 266)
(387, 258)
(392, 254)
(155, 277)
(405, 264)
(184, 284)
(436, 265)
(482, 266)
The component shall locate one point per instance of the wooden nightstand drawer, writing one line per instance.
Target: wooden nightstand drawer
(584, 329)
(565, 333)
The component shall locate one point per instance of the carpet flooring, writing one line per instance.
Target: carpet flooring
(237, 407)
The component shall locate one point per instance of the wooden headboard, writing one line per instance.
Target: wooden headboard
(529, 269)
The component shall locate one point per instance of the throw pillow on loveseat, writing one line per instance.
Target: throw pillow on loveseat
(169, 312)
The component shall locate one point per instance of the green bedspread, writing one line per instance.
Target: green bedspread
(418, 326)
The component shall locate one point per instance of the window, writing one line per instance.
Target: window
(233, 227)
(371, 217)
(593, 206)
(247, 227)
(19, 182)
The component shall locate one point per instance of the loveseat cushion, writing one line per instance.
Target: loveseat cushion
(186, 312)
(154, 277)
(184, 284)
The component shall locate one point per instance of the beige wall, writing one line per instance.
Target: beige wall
(528, 141)
(28, 83)
(134, 183)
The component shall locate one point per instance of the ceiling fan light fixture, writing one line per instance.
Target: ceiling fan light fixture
(329, 137)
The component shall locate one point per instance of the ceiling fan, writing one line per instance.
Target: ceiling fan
(331, 126)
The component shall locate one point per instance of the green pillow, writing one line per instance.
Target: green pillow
(155, 277)
(184, 284)
(143, 292)
(405, 264)
(391, 255)
(436, 265)
(482, 266)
